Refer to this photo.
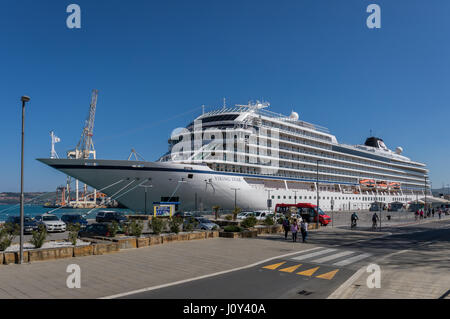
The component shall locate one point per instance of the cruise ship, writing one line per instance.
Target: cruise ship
(249, 157)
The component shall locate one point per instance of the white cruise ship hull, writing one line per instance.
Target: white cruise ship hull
(197, 187)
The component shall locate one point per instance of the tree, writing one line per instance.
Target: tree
(216, 211)
(236, 211)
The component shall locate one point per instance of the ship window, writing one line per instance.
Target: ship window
(278, 197)
(190, 175)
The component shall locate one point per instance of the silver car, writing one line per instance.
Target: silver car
(51, 222)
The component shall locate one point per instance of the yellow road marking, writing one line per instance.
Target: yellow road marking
(308, 272)
(328, 275)
(274, 266)
(290, 269)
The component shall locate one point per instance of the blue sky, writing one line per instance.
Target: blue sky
(156, 62)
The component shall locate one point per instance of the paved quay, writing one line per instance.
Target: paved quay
(416, 268)
(133, 269)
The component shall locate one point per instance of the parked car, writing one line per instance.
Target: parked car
(29, 224)
(110, 216)
(74, 219)
(94, 230)
(51, 222)
(244, 215)
(182, 214)
(202, 223)
(261, 215)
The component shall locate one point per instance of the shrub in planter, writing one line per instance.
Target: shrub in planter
(73, 232)
(7, 234)
(190, 225)
(280, 221)
(157, 225)
(232, 229)
(269, 221)
(249, 222)
(228, 217)
(113, 228)
(135, 228)
(38, 237)
(174, 225)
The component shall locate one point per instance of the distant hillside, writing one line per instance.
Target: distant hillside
(10, 198)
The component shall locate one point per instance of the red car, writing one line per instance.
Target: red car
(306, 210)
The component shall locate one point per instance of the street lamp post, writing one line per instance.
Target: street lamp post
(24, 100)
(235, 196)
(425, 191)
(145, 196)
(317, 188)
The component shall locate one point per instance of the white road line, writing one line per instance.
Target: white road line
(351, 260)
(334, 256)
(203, 277)
(317, 253)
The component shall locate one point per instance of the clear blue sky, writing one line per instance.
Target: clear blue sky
(156, 62)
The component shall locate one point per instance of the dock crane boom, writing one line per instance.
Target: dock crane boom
(85, 146)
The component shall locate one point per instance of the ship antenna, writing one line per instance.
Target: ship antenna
(224, 103)
(203, 109)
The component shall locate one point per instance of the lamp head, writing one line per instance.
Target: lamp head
(25, 98)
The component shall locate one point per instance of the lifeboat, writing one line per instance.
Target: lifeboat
(394, 185)
(367, 183)
(381, 184)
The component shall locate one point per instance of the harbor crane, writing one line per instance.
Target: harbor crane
(85, 147)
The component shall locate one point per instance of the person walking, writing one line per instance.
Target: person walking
(439, 213)
(432, 212)
(286, 227)
(304, 230)
(375, 219)
(421, 214)
(294, 230)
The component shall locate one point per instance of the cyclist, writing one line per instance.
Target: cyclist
(375, 220)
(354, 218)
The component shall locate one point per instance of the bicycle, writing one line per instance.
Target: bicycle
(353, 224)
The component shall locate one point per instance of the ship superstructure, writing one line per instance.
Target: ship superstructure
(246, 154)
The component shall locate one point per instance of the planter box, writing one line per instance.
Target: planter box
(155, 240)
(183, 237)
(50, 254)
(249, 234)
(126, 243)
(212, 234)
(1, 258)
(169, 238)
(193, 236)
(242, 234)
(142, 242)
(269, 229)
(105, 248)
(13, 257)
(225, 234)
(83, 251)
